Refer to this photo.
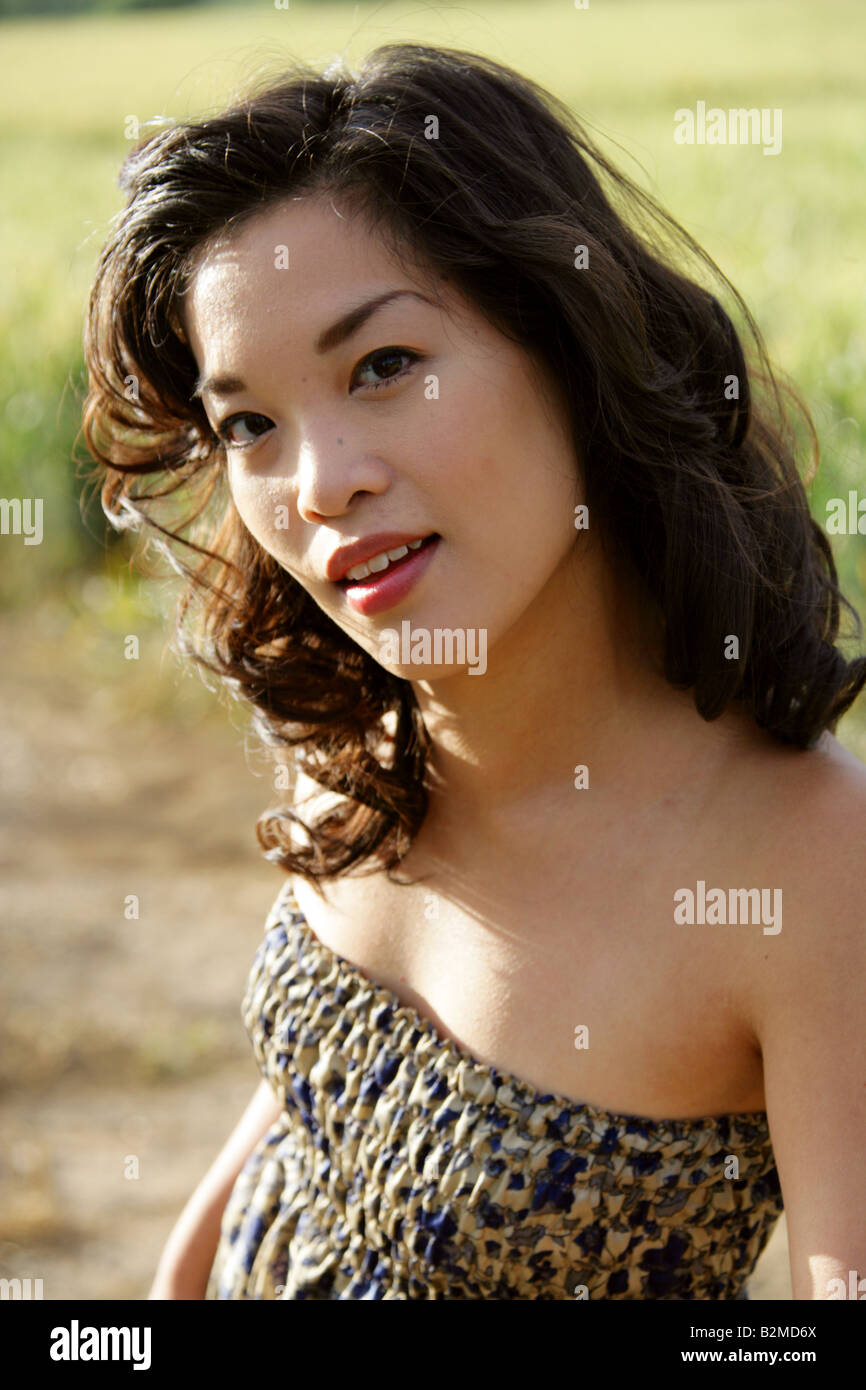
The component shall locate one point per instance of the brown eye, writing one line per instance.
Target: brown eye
(385, 356)
(237, 433)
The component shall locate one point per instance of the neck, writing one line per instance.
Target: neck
(576, 681)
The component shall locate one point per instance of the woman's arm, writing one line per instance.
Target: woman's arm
(813, 1037)
(186, 1261)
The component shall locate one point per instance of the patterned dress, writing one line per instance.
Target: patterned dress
(402, 1167)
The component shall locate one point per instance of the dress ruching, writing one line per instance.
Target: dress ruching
(402, 1167)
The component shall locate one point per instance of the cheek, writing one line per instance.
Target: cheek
(263, 514)
(248, 508)
(510, 470)
(467, 453)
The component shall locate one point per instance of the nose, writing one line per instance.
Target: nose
(333, 473)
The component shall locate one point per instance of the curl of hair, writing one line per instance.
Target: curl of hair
(686, 472)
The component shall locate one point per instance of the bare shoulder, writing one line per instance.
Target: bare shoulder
(806, 988)
(806, 820)
(819, 804)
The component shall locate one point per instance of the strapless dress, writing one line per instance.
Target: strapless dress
(402, 1167)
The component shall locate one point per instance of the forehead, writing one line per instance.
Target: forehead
(301, 255)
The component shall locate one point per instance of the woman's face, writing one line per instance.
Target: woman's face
(414, 421)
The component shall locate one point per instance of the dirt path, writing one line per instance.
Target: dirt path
(121, 1044)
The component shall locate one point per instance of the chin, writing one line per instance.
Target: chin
(418, 652)
(431, 673)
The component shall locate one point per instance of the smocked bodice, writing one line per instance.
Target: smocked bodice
(402, 1167)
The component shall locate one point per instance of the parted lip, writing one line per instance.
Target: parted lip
(345, 557)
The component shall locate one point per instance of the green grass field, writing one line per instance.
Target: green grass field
(786, 229)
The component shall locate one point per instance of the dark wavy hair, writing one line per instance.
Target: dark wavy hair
(700, 493)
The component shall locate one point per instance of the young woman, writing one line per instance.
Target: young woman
(484, 516)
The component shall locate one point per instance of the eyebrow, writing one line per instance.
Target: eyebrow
(330, 338)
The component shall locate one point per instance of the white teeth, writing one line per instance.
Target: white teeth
(381, 562)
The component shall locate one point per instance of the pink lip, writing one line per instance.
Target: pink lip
(348, 556)
(382, 591)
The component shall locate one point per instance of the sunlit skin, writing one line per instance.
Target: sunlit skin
(489, 466)
(554, 906)
(356, 448)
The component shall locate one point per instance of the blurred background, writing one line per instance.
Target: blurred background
(123, 1062)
